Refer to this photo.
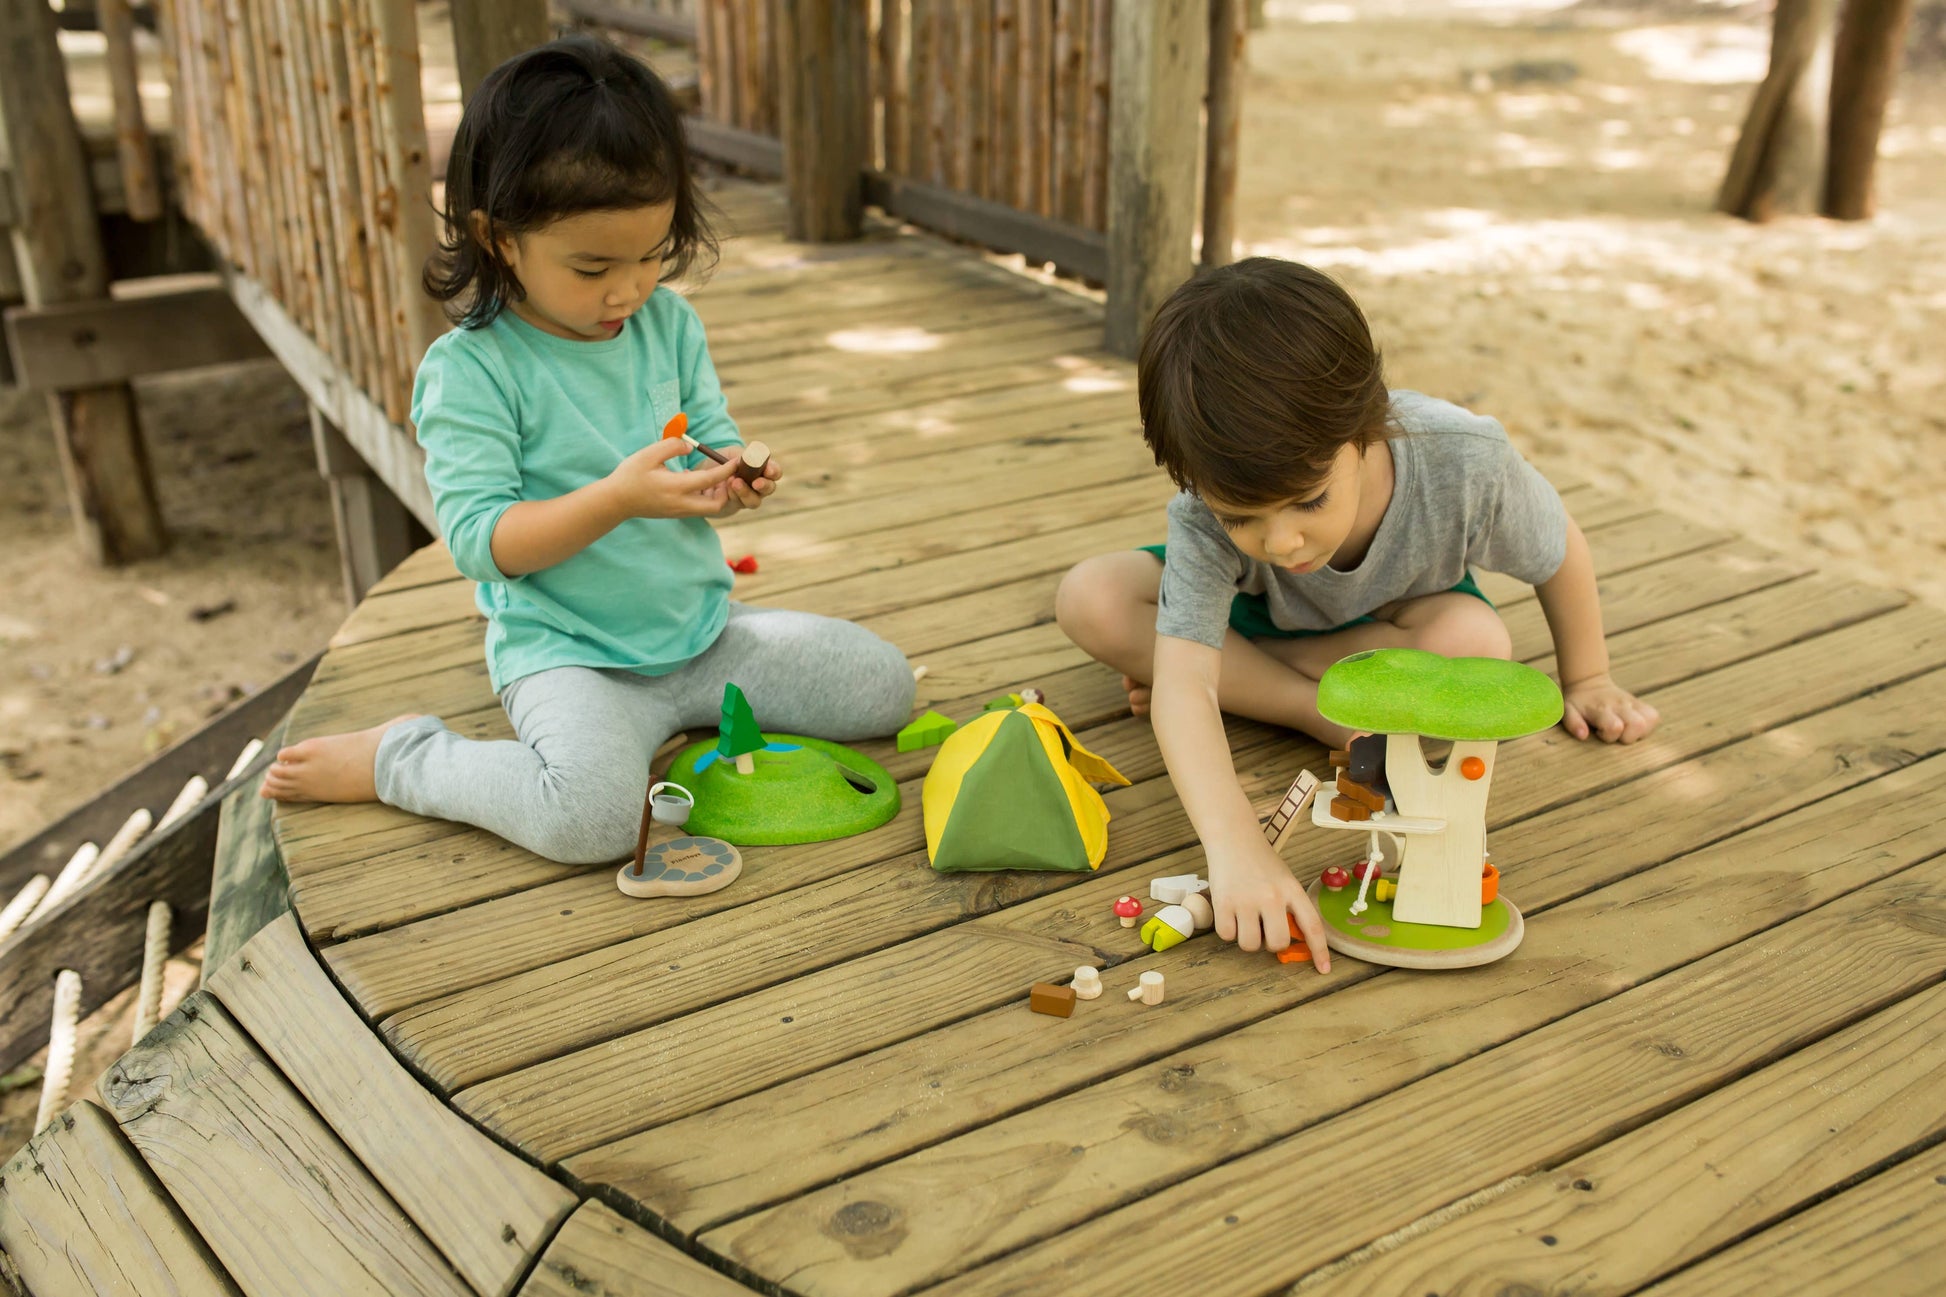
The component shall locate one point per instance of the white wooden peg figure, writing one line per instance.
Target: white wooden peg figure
(1148, 989)
(1087, 982)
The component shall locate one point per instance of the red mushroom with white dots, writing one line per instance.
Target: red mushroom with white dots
(1335, 879)
(1128, 910)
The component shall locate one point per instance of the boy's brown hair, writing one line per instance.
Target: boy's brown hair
(1253, 376)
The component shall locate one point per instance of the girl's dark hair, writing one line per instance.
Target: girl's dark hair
(572, 126)
(1253, 376)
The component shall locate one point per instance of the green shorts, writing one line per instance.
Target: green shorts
(1250, 613)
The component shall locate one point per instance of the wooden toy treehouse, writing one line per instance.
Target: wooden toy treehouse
(1439, 905)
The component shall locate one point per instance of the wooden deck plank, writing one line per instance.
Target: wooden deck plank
(1886, 1237)
(220, 1127)
(472, 1035)
(1715, 708)
(487, 1211)
(599, 1252)
(1635, 1209)
(1539, 1099)
(749, 1154)
(1073, 1156)
(80, 1214)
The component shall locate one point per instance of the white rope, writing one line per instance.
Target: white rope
(69, 878)
(123, 842)
(23, 904)
(155, 955)
(60, 1047)
(192, 792)
(244, 758)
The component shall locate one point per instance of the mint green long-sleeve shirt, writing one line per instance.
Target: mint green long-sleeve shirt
(508, 413)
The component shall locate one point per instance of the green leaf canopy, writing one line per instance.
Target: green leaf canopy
(1410, 691)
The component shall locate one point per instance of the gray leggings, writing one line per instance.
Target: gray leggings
(571, 788)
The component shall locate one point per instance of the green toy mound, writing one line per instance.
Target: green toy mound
(809, 791)
(1411, 691)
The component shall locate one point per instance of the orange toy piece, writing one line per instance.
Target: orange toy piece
(1489, 884)
(1473, 768)
(677, 426)
(1297, 952)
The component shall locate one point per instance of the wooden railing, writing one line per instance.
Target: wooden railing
(302, 151)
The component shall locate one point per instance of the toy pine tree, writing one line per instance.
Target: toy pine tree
(738, 736)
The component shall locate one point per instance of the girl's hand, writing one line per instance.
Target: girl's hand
(749, 495)
(1252, 890)
(645, 487)
(1597, 706)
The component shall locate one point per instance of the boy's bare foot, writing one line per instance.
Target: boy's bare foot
(330, 768)
(1138, 696)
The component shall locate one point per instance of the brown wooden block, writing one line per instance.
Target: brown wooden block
(1340, 759)
(1045, 997)
(1346, 809)
(1351, 790)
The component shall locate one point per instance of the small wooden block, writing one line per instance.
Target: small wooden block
(1346, 809)
(1055, 1001)
(1369, 798)
(755, 456)
(1340, 759)
(682, 867)
(1297, 952)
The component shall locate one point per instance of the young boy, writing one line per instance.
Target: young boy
(1320, 515)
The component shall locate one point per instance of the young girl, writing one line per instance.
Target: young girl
(610, 625)
(1321, 515)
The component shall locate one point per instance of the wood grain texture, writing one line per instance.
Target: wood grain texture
(484, 1209)
(599, 1252)
(80, 1215)
(219, 1126)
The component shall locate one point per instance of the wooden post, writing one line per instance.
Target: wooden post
(57, 247)
(1160, 69)
(375, 532)
(822, 111)
(1226, 34)
(486, 33)
(1864, 66)
(132, 143)
(1778, 164)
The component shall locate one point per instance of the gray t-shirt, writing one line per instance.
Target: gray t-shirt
(1461, 496)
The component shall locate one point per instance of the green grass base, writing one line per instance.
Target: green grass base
(1377, 937)
(790, 798)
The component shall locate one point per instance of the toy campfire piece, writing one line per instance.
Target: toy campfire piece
(1434, 910)
(757, 789)
(684, 866)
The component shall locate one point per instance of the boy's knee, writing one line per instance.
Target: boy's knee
(591, 818)
(1089, 605)
(1467, 628)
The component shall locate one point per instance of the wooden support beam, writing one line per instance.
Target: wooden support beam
(1864, 66)
(58, 250)
(486, 33)
(111, 340)
(1074, 249)
(133, 147)
(389, 449)
(1227, 33)
(375, 532)
(1161, 65)
(674, 28)
(760, 155)
(823, 108)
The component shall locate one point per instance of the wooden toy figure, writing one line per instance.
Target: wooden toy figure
(1436, 824)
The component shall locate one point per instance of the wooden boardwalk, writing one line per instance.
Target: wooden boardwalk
(1711, 1068)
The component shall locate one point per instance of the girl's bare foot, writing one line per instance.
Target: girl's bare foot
(330, 768)
(1138, 696)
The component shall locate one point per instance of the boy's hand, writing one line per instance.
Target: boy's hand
(751, 494)
(645, 487)
(1252, 890)
(1599, 707)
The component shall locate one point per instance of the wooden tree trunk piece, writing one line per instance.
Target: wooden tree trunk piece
(946, 161)
(975, 74)
(341, 147)
(1778, 164)
(1864, 67)
(1227, 34)
(486, 33)
(133, 147)
(1064, 180)
(1036, 85)
(381, 282)
(1094, 118)
(1003, 167)
(918, 160)
(418, 319)
(894, 86)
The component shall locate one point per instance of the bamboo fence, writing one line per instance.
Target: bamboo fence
(304, 160)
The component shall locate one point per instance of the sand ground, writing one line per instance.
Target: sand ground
(1520, 197)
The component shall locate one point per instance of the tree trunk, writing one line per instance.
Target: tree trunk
(1865, 64)
(1778, 165)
